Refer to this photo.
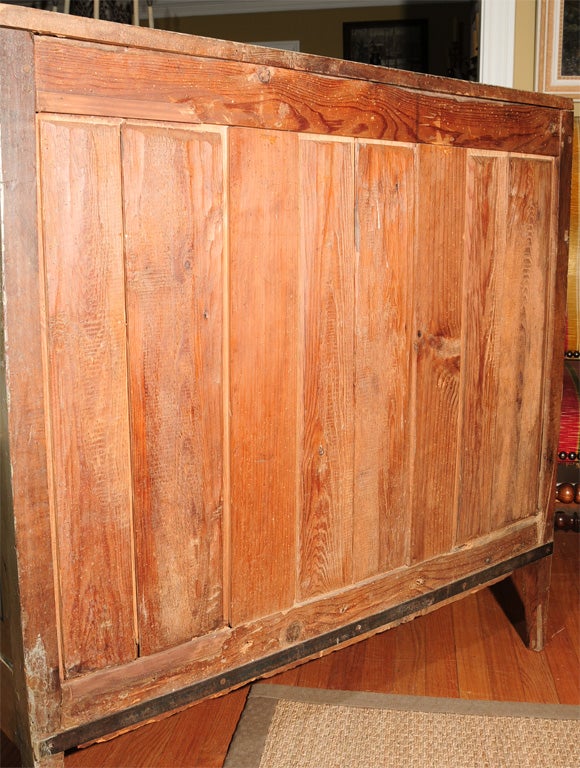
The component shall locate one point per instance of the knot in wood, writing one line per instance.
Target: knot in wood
(293, 632)
(264, 74)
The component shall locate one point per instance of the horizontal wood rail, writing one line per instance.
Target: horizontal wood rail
(234, 678)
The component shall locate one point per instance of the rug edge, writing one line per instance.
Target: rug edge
(272, 692)
(249, 739)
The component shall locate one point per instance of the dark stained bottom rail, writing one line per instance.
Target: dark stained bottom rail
(148, 710)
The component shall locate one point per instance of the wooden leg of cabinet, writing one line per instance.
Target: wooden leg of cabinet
(532, 583)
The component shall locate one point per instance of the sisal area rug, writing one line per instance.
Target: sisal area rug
(286, 727)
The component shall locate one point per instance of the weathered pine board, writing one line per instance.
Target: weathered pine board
(87, 381)
(263, 237)
(96, 31)
(483, 282)
(506, 297)
(385, 242)
(440, 210)
(80, 78)
(522, 312)
(174, 233)
(327, 287)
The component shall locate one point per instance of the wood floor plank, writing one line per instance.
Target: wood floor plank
(563, 635)
(472, 671)
(441, 676)
(410, 659)
(195, 738)
(315, 674)
(377, 667)
(501, 660)
(560, 661)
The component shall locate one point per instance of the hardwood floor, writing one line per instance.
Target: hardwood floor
(469, 650)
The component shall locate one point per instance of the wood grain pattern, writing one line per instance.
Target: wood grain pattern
(498, 652)
(155, 85)
(385, 227)
(174, 211)
(320, 276)
(522, 307)
(98, 31)
(441, 676)
(409, 666)
(440, 223)
(473, 674)
(264, 233)
(198, 736)
(82, 231)
(563, 637)
(484, 282)
(532, 584)
(506, 295)
(502, 652)
(327, 288)
(176, 668)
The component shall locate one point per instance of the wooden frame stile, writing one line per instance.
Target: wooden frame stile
(533, 581)
(562, 189)
(34, 641)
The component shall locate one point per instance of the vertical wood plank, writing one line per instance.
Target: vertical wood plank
(385, 185)
(438, 277)
(327, 227)
(483, 286)
(505, 299)
(26, 553)
(174, 210)
(264, 230)
(522, 339)
(82, 231)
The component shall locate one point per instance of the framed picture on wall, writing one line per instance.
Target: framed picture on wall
(398, 44)
(558, 53)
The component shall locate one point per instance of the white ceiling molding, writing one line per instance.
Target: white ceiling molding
(172, 8)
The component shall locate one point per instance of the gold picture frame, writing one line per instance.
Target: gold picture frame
(558, 48)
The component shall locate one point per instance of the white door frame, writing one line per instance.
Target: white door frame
(497, 42)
